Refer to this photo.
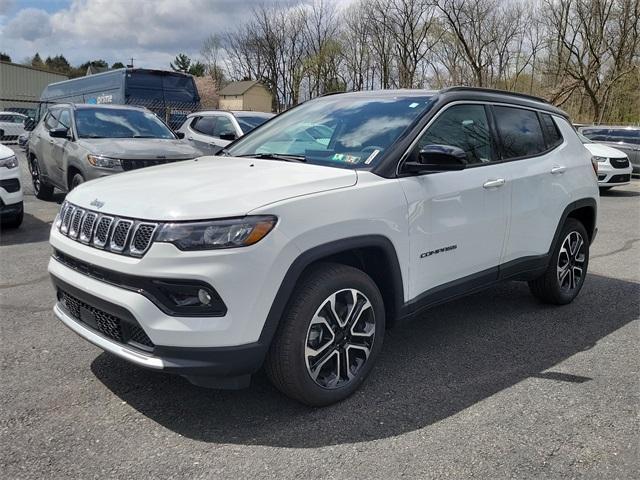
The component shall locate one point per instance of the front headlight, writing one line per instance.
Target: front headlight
(600, 159)
(10, 162)
(231, 233)
(103, 162)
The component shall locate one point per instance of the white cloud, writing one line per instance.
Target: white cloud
(5, 5)
(152, 32)
(29, 24)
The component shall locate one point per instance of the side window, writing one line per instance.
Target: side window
(465, 127)
(223, 125)
(50, 121)
(519, 131)
(204, 125)
(64, 120)
(551, 132)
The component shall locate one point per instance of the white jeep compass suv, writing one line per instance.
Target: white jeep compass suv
(296, 251)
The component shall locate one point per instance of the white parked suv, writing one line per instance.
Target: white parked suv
(299, 258)
(11, 197)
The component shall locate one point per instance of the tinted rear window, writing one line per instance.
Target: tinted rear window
(520, 132)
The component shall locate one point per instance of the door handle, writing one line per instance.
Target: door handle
(189, 138)
(498, 182)
(558, 170)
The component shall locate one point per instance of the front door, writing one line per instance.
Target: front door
(457, 220)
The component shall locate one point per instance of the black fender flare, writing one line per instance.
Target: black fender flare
(319, 252)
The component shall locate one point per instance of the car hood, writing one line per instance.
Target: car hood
(139, 148)
(600, 150)
(205, 188)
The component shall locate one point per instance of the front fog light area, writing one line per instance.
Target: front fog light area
(190, 298)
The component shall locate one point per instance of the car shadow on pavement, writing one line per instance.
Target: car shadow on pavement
(431, 368)
(619, 193)
(32, 230)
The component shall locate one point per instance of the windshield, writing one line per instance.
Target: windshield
(119, 123)
(344, 131)
(248, 123)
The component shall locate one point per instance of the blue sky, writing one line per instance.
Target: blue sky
(151, 31)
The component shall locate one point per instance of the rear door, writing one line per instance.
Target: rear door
(538, 164)
(458, 219)
(200, 133)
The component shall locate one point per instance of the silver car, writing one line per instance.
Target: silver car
(209, 131)
(74, 143)
(623, 138)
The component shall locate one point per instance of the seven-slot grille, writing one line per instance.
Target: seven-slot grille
(119, 235)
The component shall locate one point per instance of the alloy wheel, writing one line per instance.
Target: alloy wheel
(340, 338)
(35, 175)
(571, 261)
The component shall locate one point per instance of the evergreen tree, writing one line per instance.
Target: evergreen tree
(181, 63)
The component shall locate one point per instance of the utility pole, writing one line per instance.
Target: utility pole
(131, 64)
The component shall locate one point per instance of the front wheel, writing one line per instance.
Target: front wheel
(329, 337)
(41, 189)
(564, 277)
(77, 179)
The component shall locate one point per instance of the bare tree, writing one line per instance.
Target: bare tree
(594, 46)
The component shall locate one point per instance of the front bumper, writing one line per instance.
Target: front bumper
(609, 176)
(221, 367)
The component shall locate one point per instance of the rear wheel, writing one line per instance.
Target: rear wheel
(564, 277)
(41, 188)
(329, 337)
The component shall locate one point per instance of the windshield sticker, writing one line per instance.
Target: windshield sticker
(414, 105)
(352, 159)
(371, 157)
(338, 157)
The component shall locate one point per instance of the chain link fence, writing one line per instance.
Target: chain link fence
(173, 113)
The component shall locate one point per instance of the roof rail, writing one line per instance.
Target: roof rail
(494, 90)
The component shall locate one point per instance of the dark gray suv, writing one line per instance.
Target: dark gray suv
(74, 143)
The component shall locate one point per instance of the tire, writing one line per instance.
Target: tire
(305, 326)
(604, 189)
(76, 180)
(41, 189)
(564, 277)
(15, 221)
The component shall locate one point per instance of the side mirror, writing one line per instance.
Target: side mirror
(180, 135)
(228, 136)
(59, 132)
(438, 158)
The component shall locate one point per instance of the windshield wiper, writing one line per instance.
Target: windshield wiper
(278, 156)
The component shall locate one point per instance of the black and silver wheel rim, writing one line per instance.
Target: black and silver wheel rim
(77, 180)
(35, 175)
(571, 262)
(340, 338)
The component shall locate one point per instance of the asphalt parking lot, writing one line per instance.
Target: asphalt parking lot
(492, 386)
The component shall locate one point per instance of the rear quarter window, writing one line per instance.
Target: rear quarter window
(550, 129)
(520, 132)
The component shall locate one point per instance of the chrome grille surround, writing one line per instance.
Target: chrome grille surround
(103, 230)
(66, 219)
(86, 230)
(141, 238)
(120, 235)
(124, 236)
(76, 222)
